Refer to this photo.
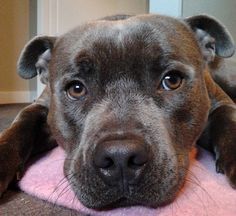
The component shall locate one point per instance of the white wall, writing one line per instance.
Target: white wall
(72, 12)
(166, 7)
(58, 16)
(224, 10)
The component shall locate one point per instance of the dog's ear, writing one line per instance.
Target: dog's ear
(213, 37)
(35, 57)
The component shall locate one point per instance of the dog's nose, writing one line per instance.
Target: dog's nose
(121, 161)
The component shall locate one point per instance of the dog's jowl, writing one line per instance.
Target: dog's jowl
(127, 97)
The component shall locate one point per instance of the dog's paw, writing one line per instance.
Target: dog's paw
(227, 166)
(9, 164)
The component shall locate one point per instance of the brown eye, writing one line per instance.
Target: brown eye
(76, 90)
(172, 81)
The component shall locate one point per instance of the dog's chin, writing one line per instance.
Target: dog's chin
(122, 202)
(109, 200)
(127, 202)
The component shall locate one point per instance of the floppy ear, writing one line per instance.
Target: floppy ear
(35, 57)
(213, 37)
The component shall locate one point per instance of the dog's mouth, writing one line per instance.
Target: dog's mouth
(121, 202)
(151, 189)
(123, 199)
(126, 172)
(124, 202)
(127, 202)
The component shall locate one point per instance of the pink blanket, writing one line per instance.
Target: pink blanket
(205, 192)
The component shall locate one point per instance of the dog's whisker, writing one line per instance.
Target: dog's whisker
(74, 198)
(194, 179)
(63, 191)
(196, 194)
(197, 183)
(63, 181)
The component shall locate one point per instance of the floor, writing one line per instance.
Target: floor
(15, 202)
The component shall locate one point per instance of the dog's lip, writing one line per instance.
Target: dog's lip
(126, 201)
(118, 203)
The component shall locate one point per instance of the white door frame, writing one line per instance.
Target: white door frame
(47, 24)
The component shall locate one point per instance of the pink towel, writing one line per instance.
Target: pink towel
(205, 193)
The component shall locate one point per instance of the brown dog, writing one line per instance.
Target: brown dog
(127, 98)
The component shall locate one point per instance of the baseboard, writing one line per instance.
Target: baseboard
(17, 97)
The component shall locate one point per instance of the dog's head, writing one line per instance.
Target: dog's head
(128, 102)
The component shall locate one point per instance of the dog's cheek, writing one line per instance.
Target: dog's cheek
(189, 121)
(166, 173)
(87, 186)
(66, 122)
(162, 180)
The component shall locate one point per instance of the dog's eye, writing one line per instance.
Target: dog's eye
(172, 81)
(75, 90)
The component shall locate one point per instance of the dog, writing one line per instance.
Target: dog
(127, 98)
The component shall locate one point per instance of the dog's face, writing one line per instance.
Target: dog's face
(128, 102)
(122, 107)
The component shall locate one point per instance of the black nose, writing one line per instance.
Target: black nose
(121, 161)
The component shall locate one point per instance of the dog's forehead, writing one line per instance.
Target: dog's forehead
(150, 29)
(147, 37)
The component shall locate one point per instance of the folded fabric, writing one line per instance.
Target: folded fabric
(204, 193)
